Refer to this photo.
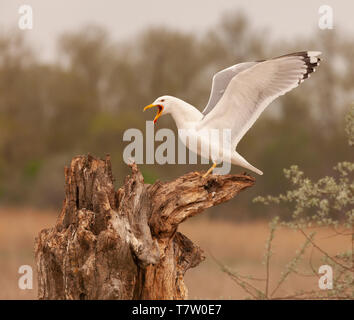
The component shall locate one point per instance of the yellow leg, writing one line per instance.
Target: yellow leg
(210, 170)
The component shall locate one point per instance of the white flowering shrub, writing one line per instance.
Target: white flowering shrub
(327, 202)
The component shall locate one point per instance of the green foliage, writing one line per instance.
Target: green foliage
(31, 169)
(349, 128)
(327, 201)
(149, 176)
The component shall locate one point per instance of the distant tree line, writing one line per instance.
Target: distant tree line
(96, 89)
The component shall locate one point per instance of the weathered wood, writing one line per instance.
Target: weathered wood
(124, 244)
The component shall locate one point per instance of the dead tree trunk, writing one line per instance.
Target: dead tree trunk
(124, 244)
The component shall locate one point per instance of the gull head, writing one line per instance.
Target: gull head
(163, 104)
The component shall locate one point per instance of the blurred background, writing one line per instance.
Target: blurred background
(81, 77)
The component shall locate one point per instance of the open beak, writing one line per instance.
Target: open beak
(159, 111)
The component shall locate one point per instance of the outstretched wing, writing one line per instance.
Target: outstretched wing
(221, 81)
(253, 89)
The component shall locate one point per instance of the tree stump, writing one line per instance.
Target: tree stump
(124, 244)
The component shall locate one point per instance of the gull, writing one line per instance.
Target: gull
(239, 94)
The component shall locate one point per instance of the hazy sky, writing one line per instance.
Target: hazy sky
(285, 19)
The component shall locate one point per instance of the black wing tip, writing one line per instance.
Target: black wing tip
(304, 54)
(311, 60)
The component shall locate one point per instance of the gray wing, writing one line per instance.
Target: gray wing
(221, 81)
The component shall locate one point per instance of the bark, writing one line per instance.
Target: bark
(124, 244)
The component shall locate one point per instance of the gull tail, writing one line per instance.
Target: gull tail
(237, 159)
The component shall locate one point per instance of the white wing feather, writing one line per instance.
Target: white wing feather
(252, 90)
(221, 81)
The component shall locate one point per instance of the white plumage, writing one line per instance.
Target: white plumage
(238, 96)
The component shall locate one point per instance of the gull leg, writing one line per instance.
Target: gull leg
(210, 170)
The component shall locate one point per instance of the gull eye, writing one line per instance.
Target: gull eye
(162, 100)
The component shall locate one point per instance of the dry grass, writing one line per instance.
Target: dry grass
(18, 229)
(239, 246)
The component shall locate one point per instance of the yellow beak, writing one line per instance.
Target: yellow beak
(159, 112)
